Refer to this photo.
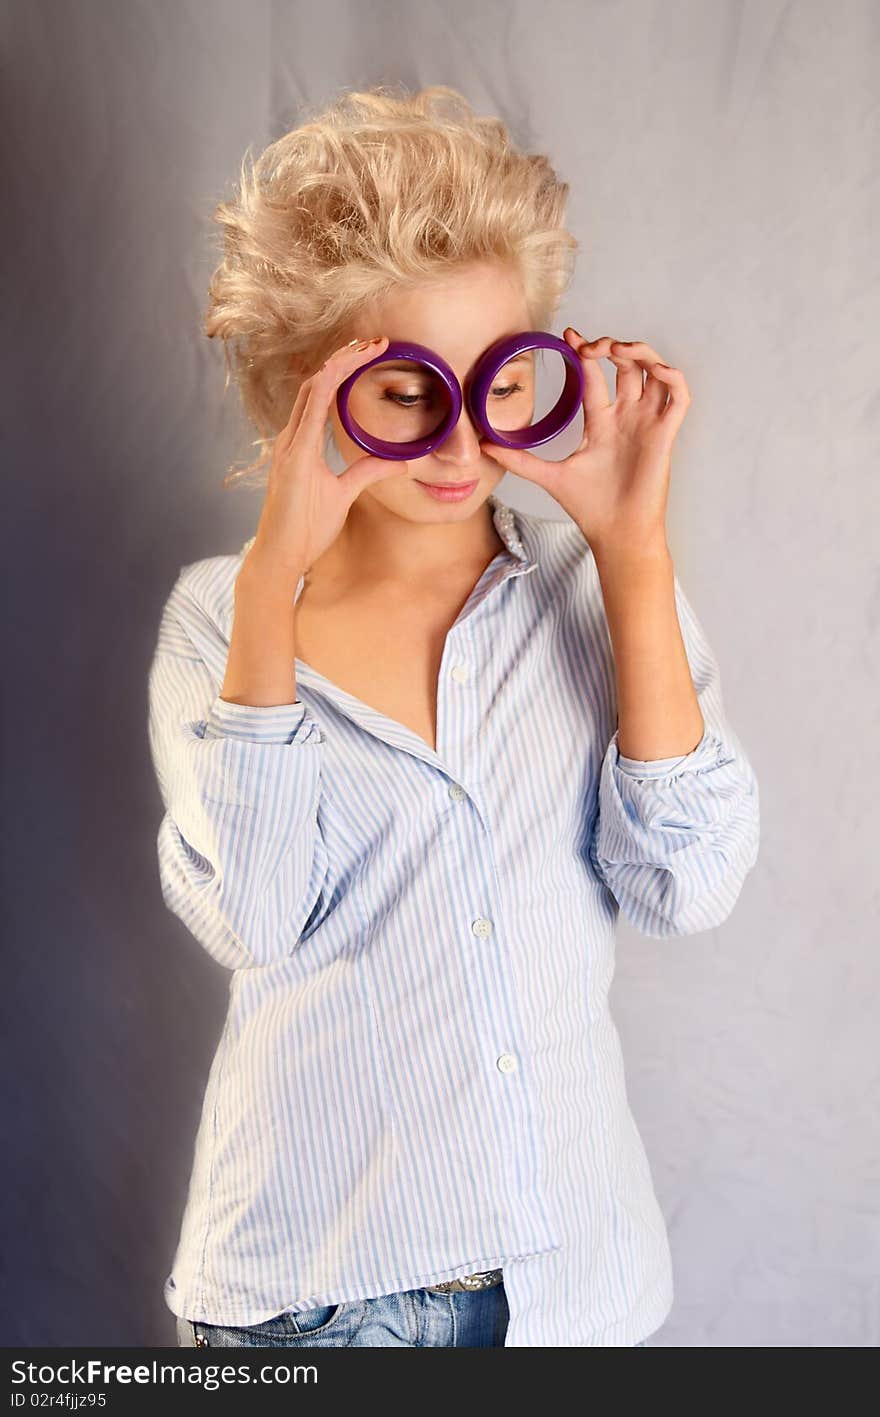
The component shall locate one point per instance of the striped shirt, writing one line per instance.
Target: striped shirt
(419, 1075)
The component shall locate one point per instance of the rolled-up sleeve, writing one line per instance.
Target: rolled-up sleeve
(241, 856)
(674, 838)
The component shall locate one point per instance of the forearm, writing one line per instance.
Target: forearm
(658, 714)
(260, 668)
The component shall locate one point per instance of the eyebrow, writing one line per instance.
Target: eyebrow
(412, 366)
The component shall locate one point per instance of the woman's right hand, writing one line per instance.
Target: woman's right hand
(306, 503)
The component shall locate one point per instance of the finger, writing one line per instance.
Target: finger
(286, 435)
(288, 432)
(630, 372)
(324, 384)
(656, 390)
(665, 384)
(636, 354)
(679, 395)
(596, 394)
(363, 472)
(648, 359)
(523, 463)
(636, 349)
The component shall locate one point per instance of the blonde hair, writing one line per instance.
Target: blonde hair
(382, 190)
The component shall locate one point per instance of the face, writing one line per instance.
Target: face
(458, 318)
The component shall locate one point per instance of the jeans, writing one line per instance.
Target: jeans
(414, 1318)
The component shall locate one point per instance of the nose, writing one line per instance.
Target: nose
(461, 446)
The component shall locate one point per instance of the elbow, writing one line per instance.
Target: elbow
(240, 921)
(692, 890)
(688, 911)
(194, 902)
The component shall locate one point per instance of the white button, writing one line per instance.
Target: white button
(507, 1063)
(456, 792)
(460, 673)
(482, 927)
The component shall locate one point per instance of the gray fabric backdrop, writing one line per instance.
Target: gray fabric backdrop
(722, 159)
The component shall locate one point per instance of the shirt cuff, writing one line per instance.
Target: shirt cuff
(275, 723)
(704, 755)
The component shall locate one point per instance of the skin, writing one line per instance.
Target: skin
(394, 532)
(403, 559)
(615, 487)
(380, 599)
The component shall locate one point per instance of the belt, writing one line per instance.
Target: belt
(483, 1279)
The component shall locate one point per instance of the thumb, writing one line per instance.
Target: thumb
(363, 472)
(521, 462)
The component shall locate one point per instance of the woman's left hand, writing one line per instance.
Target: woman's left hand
(616, 482)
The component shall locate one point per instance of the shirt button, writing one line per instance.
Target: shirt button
(460, 673)
(507, 1063)
(482, 927)
(456, 792)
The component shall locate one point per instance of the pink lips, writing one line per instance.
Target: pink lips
(449, 491)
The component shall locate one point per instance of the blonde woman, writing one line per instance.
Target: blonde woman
(416, 751)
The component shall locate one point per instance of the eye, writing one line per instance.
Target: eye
(405, 400)
(410, 400)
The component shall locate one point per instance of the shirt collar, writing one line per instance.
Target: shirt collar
(512, 530)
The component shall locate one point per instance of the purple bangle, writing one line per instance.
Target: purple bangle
(477, 387)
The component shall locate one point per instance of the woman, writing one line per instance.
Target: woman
(415, 755)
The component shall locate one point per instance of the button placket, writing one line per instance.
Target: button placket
(483, 928)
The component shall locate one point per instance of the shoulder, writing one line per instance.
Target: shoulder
(202, 600)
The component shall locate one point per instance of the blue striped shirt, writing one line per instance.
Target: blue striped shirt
(419, 1075)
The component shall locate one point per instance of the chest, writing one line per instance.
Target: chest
(386, 652)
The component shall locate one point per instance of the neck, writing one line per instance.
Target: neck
(377, 545)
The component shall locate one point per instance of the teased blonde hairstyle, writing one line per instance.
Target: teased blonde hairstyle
(382, 190)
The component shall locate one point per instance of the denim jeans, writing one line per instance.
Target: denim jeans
(414, 1318)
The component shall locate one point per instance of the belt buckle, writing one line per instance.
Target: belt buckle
(482, 1279)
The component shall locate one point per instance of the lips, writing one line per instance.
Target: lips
(472, 483)
(449, 491)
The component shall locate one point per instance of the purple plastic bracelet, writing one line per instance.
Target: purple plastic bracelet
(477, 388)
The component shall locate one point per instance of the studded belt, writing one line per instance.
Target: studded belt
(483, 1279)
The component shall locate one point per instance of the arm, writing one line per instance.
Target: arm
(658, 713)
(675, 835)
(241, 856)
